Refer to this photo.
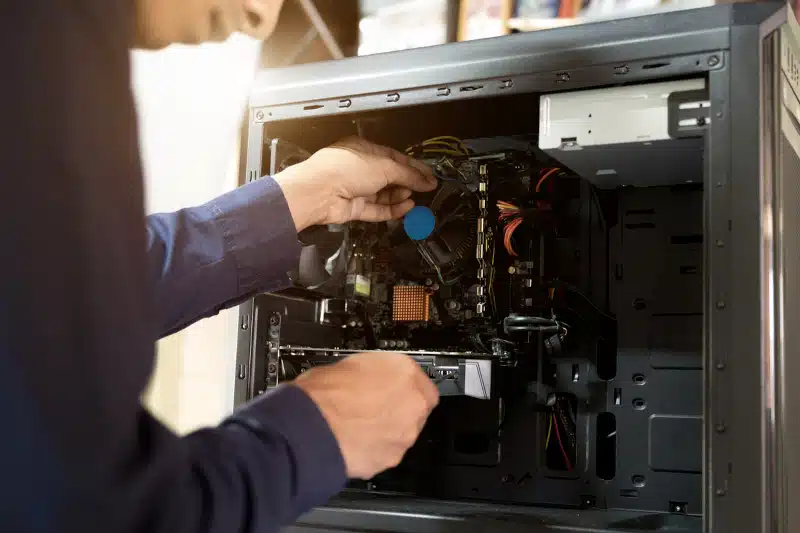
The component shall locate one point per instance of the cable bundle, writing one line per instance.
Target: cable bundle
(511, 218)
(562, 425)
(442, 145)
(545, 174)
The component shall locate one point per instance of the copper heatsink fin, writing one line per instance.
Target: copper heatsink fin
(410, 303)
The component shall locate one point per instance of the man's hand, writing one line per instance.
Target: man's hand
(353, 180)
(376, 405)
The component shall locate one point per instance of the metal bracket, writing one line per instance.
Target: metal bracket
(273, 350)
(482, 240)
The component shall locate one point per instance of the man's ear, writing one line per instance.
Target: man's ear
(261, 17)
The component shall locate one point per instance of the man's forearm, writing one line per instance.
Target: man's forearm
(211, 257)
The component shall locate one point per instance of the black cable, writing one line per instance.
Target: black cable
(478, 342)
(503, 341)
(577, 291)
(516, 323)
(519, 320)
(532, 329)
(571, 415)
(349, 251)
(596, 198)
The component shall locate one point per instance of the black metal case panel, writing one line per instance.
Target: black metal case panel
(657, 293)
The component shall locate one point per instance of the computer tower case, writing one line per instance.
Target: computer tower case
(608, 295)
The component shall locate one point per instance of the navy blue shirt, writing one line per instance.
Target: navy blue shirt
(85, 291)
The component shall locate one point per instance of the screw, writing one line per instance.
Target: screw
(720, 365)
(259, 115)
(719, 114)
(274, 320)
(713, 61)
(720, 244)
(720, 492)
(720, 428)
(721, 304)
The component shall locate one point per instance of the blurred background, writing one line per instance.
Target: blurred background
(374, 26)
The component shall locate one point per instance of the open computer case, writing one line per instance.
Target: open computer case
(604, 287)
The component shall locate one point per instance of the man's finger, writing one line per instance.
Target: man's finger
(409, 172)
(429, 391)
(398, 168)
(403, 174)
(401, 169)
(373, 212)
(393, 195)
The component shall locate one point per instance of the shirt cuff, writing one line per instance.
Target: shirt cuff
(259, 232)
(290, 413)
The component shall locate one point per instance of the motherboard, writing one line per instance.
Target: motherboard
(480, 283)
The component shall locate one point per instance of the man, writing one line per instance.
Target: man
(79, 316)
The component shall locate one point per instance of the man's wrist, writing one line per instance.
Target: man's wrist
(307, 201)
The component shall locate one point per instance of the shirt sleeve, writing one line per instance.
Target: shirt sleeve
(77, 331)
(211, 257)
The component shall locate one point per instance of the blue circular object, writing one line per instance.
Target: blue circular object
(419, 223)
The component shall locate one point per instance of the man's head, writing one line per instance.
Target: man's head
(163, 22)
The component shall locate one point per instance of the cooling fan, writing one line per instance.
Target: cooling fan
(323, 253)
(452, 240)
